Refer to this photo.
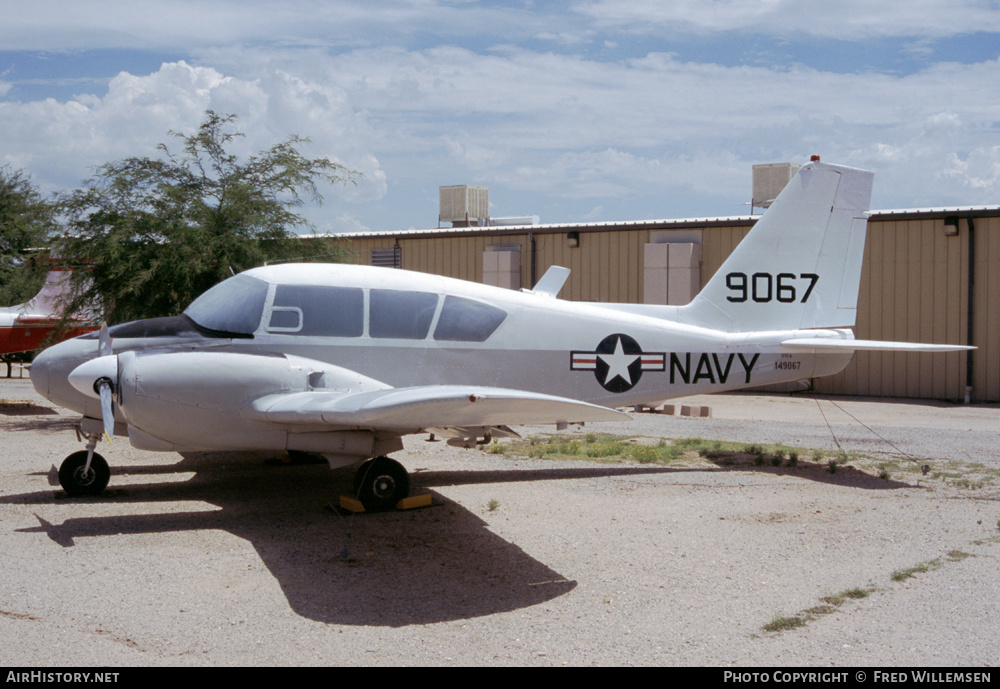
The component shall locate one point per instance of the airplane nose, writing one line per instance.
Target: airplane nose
(50, 370)
(40, 371)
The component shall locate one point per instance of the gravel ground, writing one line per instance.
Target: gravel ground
(229, 560)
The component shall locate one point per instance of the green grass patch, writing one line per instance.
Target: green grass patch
(780, 623)
(820, 610)
(855, 593)
(655, 451)
(992, 540)
(923, 567)
(703, 453)
(830, 604)
(601, 447)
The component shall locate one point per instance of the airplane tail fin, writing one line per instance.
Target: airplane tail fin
(47, 300)
(800, 265)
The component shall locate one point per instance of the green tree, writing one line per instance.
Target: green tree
(25, 222)
(155, 233)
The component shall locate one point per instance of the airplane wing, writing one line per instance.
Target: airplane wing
(427, 406)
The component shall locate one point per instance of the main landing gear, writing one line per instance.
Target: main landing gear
(85, 473)
(380, 484)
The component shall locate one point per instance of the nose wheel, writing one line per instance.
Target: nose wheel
(80, 476)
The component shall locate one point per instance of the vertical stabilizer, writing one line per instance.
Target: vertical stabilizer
(800, 265)
(47, 301)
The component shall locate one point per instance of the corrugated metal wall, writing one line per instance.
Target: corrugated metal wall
(914, 287)
(986, 382)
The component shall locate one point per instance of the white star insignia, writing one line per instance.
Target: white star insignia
(618, 364)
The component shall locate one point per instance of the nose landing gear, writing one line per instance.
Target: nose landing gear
(85, 473)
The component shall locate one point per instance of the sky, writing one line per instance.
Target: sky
(572, 110)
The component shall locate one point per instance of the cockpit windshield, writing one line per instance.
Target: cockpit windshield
(233, 306)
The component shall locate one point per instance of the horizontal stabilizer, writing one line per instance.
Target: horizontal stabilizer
(814, 343)
(428, 406)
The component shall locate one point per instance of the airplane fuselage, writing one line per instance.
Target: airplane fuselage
(405, 329)
(26, 334)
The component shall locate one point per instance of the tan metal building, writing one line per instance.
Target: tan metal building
(928, 276)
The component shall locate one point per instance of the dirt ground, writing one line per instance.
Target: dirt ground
(204, 560)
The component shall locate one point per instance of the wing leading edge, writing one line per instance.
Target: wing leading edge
(427, 406)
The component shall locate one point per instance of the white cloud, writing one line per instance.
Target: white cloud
(342, 223)
(562, 126)
(845, 20)
(61, 142)
(185, 25)
(181, 27)
(529, 104)
(570, 127)
(980, 170)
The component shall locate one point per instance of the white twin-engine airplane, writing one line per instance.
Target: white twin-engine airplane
(345, 360)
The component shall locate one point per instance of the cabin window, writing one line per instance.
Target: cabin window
(402, 315)
(317, 310)
(233, 306)
(465, 320)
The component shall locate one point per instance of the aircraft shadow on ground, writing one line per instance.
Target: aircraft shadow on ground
(25, 408)
(843, 475)
(36, 420)
(391, 569)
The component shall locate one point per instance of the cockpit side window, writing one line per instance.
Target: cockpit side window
(403, 315)
(233, 306)
(317, 310)
(465, 320)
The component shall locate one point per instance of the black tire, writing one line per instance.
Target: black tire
(73, 480)
(380, 483)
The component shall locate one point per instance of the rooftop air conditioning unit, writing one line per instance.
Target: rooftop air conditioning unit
(464, 205)
(769, 180)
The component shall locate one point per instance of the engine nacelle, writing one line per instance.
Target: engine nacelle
(197, 401)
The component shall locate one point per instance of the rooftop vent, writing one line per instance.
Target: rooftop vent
(515, 220)
(769, 180)
(464, 205)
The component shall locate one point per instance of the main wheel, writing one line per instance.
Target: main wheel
(76, 483)
(381, 483)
